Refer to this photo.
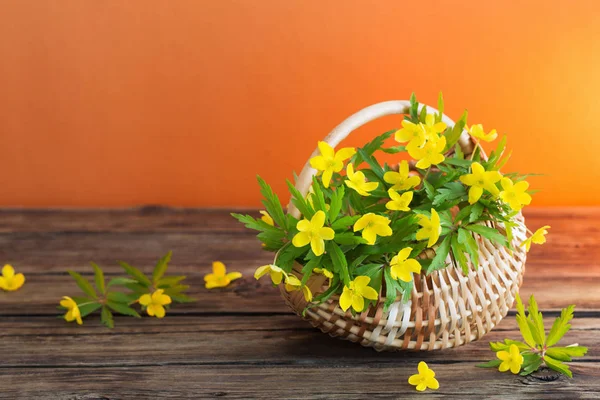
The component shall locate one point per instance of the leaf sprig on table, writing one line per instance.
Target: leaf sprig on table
(538, 348)
(121, 294)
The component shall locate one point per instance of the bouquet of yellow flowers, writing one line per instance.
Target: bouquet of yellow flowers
(371, 251)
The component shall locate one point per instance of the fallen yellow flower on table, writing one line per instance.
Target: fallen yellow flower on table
(313, 232)
(538, 237)
(219, 276)
(373, 225)
(430, 154)
(511, 359)
(330, 161)
(399, 202)
(480, 179)
(9, 280)
(266, 218)
(155, 303)
(402, 180)
(403, 267)
(292, 284)
(477, 131)
(73, 312)
(274, 271)
(357, 181)
(515, 195)
(355, 294)
(425, 379)
(430, 228)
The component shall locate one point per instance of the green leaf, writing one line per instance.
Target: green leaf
(272, 203)
(423, 114)
(429, 189)
(318, 198)
(169, 281)
(490, 364)
(438, 117)
(336, 202)
(458, 153)
(454, 134)
(161, 267)
(99, 278)
(458, 162)
(89, 308)
(531, 363)
(83, 284)
(522, 322)
(504, 346)
(476, 212)
(441, 253)
(107, 318)
(497, 153)
(372, 146)
(488, 233)
(394, 149)
(557, 366)
(136, 274)
(120, 282)
(466, 238)
(300, 202)
(344, 222)
(570, 351)
(339, 261)
(375, 167)
(450, 192)
(414, 105)
(179, 297)
(561, 326)
(348, 238)
(122, 309)
(536, 317)
(458, 250)
(121, 297)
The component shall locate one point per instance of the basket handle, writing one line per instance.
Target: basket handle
(359, 119)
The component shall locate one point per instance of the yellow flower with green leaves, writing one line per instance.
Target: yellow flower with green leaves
(373, 225)
(430, 154)
(355, 294)
(515, 194)
(425, 379)
(538, 237)
(219, 276)
(412, 133)
(511, 359)
(274, 272)
(330, 161)
(357, 181)
(73, 313)
(480, 179)
(155, 303)
(402, 267)
(399, 202)
(477, 131)
(313, 232)
(292, 284)
(10, 281)
(266, 218)
(401, 180)
(430, 227)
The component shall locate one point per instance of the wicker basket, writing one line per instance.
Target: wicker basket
(446, 309)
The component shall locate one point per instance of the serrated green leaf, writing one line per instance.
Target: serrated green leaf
(441, 253)
(504, 346)
(272, 203)
(179, 297)
(336, 202)
(393, 149)
(121, 297)
(83, 284)
(305, 208)
(136, 274)
(161, 267)
(169, 281)
(536, 317)
(345, 222)
(466, 238)
(530, 364)
(450, 192)
(348, 238)
(339, 261)
(490, 364)
(489, 233)
(122, 308)
(438, 117)
(458, 250)
(522, 322)
(107, 318)
(557, 366)
(99, 278)
(87, 309)
(476, 212)
(571, 351)
(454, 134)
(561, 326)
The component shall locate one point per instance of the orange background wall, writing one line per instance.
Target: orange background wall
(112, 103)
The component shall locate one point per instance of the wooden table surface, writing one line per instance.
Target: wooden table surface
(242, 341)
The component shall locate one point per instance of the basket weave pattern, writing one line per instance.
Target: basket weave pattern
(446, 309)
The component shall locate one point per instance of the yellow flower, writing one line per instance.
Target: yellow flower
(9, 280)
(511, 359)
(430, 228)
(267, 218)
(480, 179)
(412, 133)
(515, 195)
(356, 293)
(373, 225)
(72, 310)
(292, 283)
(424, 379)
(477, 132)
(430, 154)
(330, 161)
(323, 271)
(274, 271)
(154, 303)
(314, 233)
(399, 202)
(432, 128)
(538, 237)
(403, 267)
(401, 179)
(357, 181)
(219, 277)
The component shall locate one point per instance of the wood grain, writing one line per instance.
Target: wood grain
(242, 341)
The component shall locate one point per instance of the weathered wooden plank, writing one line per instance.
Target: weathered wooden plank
(385, 381)
(208, 340)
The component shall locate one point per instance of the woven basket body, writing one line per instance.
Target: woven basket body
(446, 308)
